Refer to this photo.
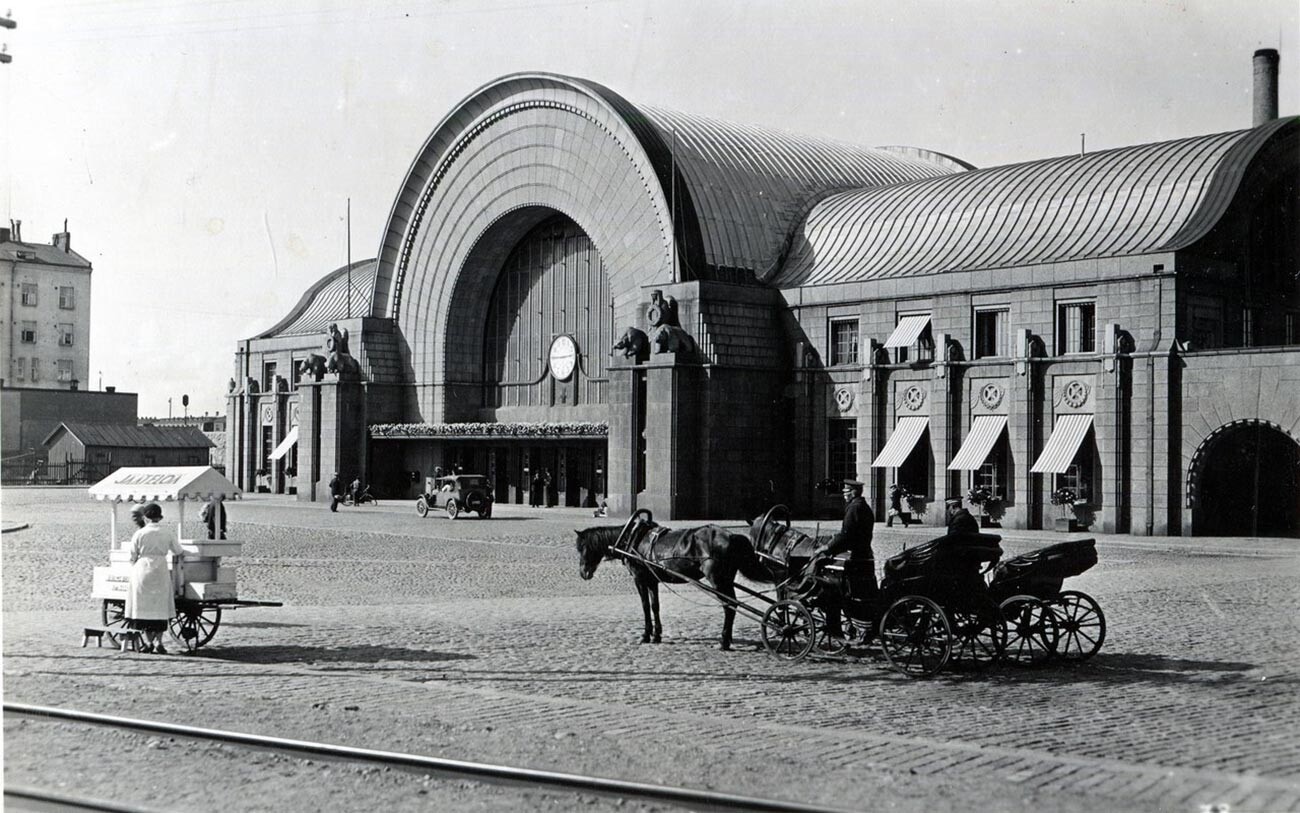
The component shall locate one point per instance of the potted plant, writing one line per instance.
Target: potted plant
(1067, 501)
(262, 484)
(983, 499)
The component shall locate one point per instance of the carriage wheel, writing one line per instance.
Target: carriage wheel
(113, 613)
(422, 507)
(828, 645)
(194, 626)
(453, 509)
(1081, 623)
(979, 638)
(1032, 633)
(789, 631)
(915, 636)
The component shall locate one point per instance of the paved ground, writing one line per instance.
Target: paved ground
(477, 640)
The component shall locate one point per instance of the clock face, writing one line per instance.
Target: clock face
(564, 357)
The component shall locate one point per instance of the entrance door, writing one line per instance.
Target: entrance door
(1249, 484)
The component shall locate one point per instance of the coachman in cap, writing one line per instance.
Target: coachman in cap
(855, 538)
(960, 520)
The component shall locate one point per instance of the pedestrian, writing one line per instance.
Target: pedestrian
(150, 598)
(959, 519)
(356, 490)
(214, 516)
(546, 489)
(535, 490)
(336, 492)
(896, 508)
(855, 538)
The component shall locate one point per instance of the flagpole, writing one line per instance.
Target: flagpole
(349, 258)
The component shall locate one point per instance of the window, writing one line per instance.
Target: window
(991, 333)
(36, 369)
(1076, 328)
(65, 335)
(842, 449)
(1080, 476)
(20, 368)
(1292, 328)
(268, 446)
(27, 335)
(29, 294)
(67, 297)
(295, 373)
(993, 474)
(65, 369)
(914, 329)
(1206, 323)
(844, 341)
(1248, 338)
(268, 376)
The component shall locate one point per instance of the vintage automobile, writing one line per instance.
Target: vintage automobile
(454, 494)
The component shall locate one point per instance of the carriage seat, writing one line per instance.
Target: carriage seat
(960, 554)
(1042, 572)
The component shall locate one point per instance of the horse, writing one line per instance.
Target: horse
(707, 552)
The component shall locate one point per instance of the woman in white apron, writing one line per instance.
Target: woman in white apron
(151, 603)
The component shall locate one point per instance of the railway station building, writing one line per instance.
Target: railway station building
(667, 311)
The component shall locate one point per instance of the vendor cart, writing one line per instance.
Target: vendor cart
(204, 583)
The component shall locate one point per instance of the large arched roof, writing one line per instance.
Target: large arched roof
(327, 301)
(1129, 201)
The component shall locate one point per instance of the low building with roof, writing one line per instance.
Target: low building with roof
(675, 313)
(102, 448)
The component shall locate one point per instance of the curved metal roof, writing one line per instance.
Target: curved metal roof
(327, 301)
(1134, 200)
(750, 185)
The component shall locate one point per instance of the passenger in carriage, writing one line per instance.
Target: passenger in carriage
(960, 520)
(855, 538)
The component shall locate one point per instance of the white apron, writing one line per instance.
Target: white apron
(150, 595)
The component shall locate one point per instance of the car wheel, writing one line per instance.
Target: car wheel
(422, 507)
(453, 509)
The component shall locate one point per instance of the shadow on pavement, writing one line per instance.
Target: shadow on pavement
(312, 655)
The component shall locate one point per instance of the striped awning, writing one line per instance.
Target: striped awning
(286, 444)
(1063, 444)
(983, 435)
(906, 433)
(908, 331)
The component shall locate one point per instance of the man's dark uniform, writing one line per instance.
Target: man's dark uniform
(855, 538)
(962, 522)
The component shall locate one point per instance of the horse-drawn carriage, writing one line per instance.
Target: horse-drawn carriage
(934, 605)
(204, 584)
(935, 602)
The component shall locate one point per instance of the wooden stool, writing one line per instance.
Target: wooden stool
(129, 639)
(98, 634)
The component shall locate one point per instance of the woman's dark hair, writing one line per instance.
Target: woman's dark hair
(152, 511)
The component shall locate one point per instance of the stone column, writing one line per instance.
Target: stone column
(343, 428)
(1024, 429)
(621, 466)
(309, 443)
(670, 441)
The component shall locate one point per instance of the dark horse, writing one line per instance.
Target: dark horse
(708, 552)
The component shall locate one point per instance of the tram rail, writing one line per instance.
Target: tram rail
(692, 798)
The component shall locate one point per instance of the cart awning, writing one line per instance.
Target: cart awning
(981, 439)
(286, 444)
(906, 433)
(908, 331)
(1063, 444)
(161, 483)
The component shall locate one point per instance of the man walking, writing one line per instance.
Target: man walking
(336, 492)
(855, 538)
(214, 516)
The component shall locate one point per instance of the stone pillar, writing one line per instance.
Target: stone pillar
(872, 420)
(624, 434)
(343, 427)
(236, 426)
(1024, 431)
(309, 443)
(1111, 429)
(252, 429)
(945, 422)
(670, 440)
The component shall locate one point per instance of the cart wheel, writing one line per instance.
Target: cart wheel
(979, 638)
(113, 613)
(834, 646)
(453, 509)
(193, 627)
(789, 631)
(1081, 623)
(915, 636)
(1031, 630)
(422, 507)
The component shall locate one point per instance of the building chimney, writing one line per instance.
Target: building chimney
(1266, 61)
(62, 240)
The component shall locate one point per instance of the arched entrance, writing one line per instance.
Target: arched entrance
(1246, 482)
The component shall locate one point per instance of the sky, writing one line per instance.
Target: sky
(203, 153)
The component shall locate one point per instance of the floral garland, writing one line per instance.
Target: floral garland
(581, 429)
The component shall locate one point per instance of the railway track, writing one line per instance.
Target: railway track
(691, 798)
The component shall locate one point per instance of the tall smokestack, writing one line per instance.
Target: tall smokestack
(1266, 60)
